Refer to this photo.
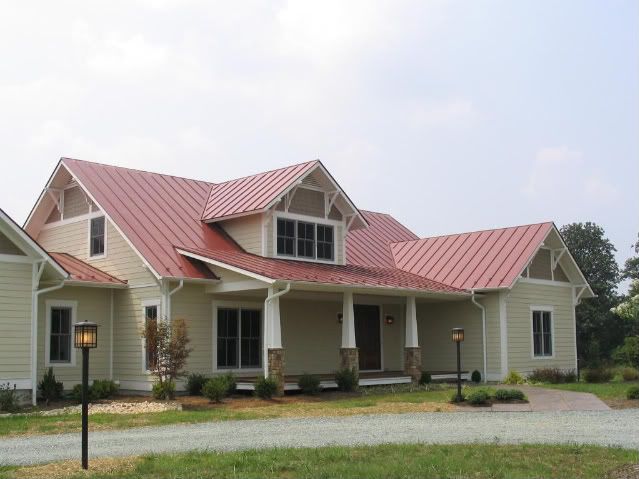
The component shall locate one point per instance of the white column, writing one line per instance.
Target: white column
(411, 323)
(274, 325)
(348, 321)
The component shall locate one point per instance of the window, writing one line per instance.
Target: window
(325, 242)
(285, 237)
(96, 236)
(60, 335)
(542, 333)
(150, 354)
(238, 338)
(305, 240)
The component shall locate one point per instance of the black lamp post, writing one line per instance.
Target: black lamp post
(85, 337)
(458, 337)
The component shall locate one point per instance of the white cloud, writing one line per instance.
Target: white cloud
(126, 57)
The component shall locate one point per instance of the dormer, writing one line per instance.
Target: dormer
(297, 213)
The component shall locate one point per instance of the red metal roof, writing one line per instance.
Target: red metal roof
(478, 260)
(352, 275)
(371, 246)
(252, 193)
(81, 271)
(154, 212)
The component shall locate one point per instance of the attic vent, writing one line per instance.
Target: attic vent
(311, 181)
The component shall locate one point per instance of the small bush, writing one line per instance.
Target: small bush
(347, 379)
(100, 389)
(8, 398)
(230, 382)
(514, 378)
(629, 374)
(509, 395)
(628, 353)
(309, 384)
(50, 389)
(165, 390)
(553, 376)
(598, 375)
(194, 383)
(475, 377)
(265, 388)
(215, 389)
(633, 392)
(478, 396)
(425, 378)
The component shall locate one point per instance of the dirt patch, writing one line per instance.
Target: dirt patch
(68, 468)
(630, 471)
(622, 403)
(241, 402)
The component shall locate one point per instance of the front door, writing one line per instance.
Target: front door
(367, 336)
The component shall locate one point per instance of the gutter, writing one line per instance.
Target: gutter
(270, 297)
(483, 327)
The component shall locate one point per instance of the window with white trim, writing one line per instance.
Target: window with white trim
(60, 334)
(542, 333)
(303, 239)
(150, 354)
(239, 338)
(96, 236)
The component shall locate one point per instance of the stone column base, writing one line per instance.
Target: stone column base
(413, 363)
(276, 368)
(349, 358)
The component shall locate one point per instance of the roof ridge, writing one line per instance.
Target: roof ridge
(265, 172)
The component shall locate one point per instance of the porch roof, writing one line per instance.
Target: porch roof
(79, 271)
(274, 269)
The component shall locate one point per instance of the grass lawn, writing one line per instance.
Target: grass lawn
(387, 461)
(612, 391)
(327, 404)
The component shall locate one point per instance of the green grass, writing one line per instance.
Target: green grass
(386, 461)
(604, 391)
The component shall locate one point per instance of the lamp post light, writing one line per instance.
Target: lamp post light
(85, 337)
(458, 337)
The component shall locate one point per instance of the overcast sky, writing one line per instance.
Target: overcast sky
(451, 115)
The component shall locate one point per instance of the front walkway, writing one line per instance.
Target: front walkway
(614, 428)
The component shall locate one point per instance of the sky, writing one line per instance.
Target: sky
(451, 115)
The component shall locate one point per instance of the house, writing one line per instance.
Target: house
(277, 273)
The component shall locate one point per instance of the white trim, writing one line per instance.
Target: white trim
(239, 305)
(545, 282)
(73, 219)
(104, 253)
(17, 258)
(145, 304)
(574, 327)
(93, 284)
(111, 319)
(59, 303)
(225, 266)
(548, 309)
(136, 385)
(233, 286)
(142, 286)
(315, 220)
(503, 332)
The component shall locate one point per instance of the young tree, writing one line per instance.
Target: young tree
(599, 330)
(628, 309)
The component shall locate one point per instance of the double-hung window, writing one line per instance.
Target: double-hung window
(96, 236)
(325, 242)
(303, 239)
(285, 237)
(239, 334)
(150, 320)
(60, 335)
(542, 332)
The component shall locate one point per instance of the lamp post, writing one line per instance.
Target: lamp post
(458, 337)
(85, 337)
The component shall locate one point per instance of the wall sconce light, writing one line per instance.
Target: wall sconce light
(389, 318)
(340, 318)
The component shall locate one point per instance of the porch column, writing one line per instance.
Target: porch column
(412, 351)
(275, 354)
(349, 354)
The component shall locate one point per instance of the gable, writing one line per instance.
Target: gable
(9, 247)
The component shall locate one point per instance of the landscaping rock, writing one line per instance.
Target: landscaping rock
(111, 408)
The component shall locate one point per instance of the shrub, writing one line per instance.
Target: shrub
(633, 392)
(194, 383)
(629, 374)
(164, 390)
(100, 389)
(230, 382)
(453, 397)
(509, 395)
(598, 375)
(478, 396)
(347, 379)
(475, 377)
(50, 389)
(265, 388)
(8, 398)
(425, 378)
(553, 376)
(215, 389)
(309, 384)
(628, 353)
(514, 378)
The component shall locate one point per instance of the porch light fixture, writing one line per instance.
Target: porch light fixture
(458, 337)
(85, 337)
(340, 318)
(389, 318)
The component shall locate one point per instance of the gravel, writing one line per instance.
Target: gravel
(114, 407)
(606, 428)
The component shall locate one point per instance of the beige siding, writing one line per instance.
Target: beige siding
(246, 231)
(120, 260)
(93, 304)
(493, 340)
(393, 337)
(560, 275)
(75, 202)
(540, 265)
(308, 202)
(15, 320)
(8, 247)
(521, 298)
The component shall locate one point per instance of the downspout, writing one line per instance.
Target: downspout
(483, 328)
(37, 274)
(267, 301)
(112, 316)
(168, 298)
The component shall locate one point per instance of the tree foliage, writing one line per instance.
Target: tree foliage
(167, 346)
(628, 308)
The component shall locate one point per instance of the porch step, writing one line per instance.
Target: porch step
(368, 380)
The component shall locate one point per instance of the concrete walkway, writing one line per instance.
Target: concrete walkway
(605, 428)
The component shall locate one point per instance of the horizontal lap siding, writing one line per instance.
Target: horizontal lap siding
(196, 307)
(393, 337)
(8, 247)
(246, 231)
(15, 320)
(493, 340)
(518, 303)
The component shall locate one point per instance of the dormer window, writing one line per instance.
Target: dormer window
(305, 240)
(96, 237)
(285, 237)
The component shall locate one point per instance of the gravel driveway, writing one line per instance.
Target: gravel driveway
(619, 428)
